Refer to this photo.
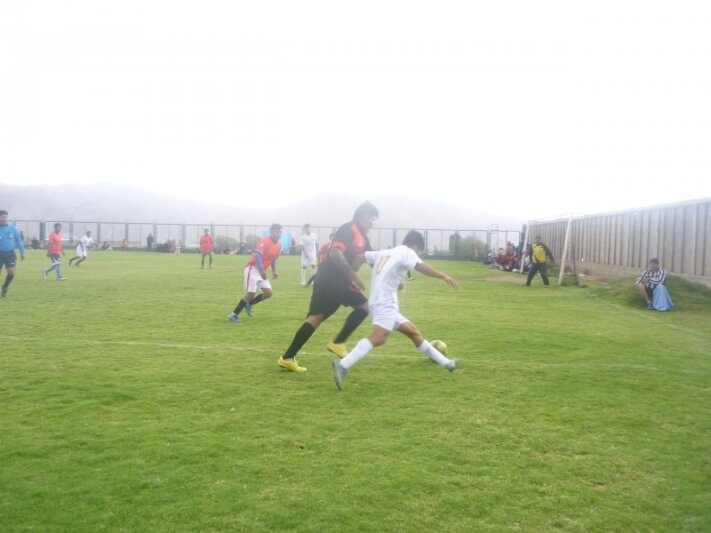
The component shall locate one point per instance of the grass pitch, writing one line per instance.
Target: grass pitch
(129, 402)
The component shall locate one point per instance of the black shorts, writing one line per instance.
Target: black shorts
(8, 259)
(327, 298)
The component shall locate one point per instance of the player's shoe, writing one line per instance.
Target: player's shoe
(291, 365)
(234, 318)
(650, 306)
(44, 274)
(339, 349)
(248, 309)
(339, 373)
(4, 292)
(61, 279)
(452, 365)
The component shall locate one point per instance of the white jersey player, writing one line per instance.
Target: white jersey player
(309, 247)
(82, 249)
(389, 267)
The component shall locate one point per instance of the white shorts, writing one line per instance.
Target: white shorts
(308, 260)
(253, 280)
(387, 317)
(81, 252)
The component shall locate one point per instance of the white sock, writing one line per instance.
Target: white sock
(356, 354)
(433, 353)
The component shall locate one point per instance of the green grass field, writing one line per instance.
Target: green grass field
(129, 402)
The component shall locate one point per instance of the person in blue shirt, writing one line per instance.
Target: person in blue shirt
(9, 240)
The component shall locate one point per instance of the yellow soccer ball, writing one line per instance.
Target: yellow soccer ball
(440, 346)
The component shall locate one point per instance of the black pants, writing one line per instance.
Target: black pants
(538, 267)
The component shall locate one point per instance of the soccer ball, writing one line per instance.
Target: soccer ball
(440, 346)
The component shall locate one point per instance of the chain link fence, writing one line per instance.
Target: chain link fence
(471, 244)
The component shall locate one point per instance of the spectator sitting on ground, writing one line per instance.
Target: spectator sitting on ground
(651, 286)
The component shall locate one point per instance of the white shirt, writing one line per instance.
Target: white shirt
(389, 266)
(85, 242)
(308, 244)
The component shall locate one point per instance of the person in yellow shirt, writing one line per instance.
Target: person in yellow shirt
(539, 253)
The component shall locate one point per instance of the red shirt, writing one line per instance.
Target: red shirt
(55, 243)
(269, 249)
(353, 243)
(206, 244)
(323, 253)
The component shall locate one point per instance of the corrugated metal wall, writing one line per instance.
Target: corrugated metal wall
(679, 235)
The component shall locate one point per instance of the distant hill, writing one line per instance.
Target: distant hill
(112, 203)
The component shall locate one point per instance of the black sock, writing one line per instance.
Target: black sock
(257, 299)
(352, 322)
(240, 306)
(302, 335)
(8, 280)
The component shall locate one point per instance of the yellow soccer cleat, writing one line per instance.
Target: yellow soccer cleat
(339, 349)
(291, 365)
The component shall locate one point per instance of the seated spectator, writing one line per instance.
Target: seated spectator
(124, 244)
(651, 286)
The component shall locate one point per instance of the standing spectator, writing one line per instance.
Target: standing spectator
(309, 245)
(10, 239)
(149, 241)
(54, 249)
(539, 253)
(255, 273)
(206, 247)
(337, 284)
(651, 286)
(82, 246)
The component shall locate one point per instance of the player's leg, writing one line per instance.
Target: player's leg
(210, 256)
(251, 276)
(359, 303)
(378, 337)
(321, 306)
(531, 272)
(410, 330)
(81, 260)
(73, 259)
(58, 267)
(202, 261)
(10, 275)
(544, 274)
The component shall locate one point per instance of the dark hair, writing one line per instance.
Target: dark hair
(275, 226)
(414, 238)
(57, 224)
(3, 212)
(365, 210)
(654, 260)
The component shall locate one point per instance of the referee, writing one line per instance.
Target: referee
(9, 240)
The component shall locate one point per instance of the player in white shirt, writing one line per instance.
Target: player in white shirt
(309, 245)
(82, 246)
(389, 267)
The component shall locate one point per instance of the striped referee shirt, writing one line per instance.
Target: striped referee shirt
(652, 278)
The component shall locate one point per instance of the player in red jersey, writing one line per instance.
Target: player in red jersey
(255, 273)
(206, 247)
(337, 284)
(54, 249)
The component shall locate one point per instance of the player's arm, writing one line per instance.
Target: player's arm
(342, 264)
(274, 272)
(549, 253)
(20, 245)
(427, 270)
